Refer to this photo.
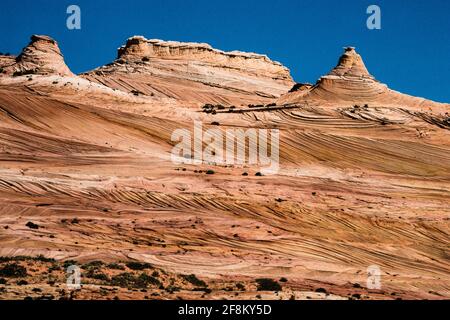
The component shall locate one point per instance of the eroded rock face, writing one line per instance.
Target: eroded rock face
(351, 83)
(41, 56)
(193, 72)
(138, 47)
(351, 65)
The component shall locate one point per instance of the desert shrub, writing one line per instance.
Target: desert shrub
(23, 73)
(192, 278)
(220, 107)
(271, 105)
(92, 265)
(43, 259)
(94, 274)
(296, 87)
(32, 225)
(69, 263)
(22, 283)
(145, 280)
(54, 267)
(240, 286)
(26, 258)
(258, 174)
(283, 279)
(13, 270)
(208, 106)
(210, 172)
(266, 284)
(115, 266)
(3, 281)
(145, 59)
(136, 92)
(127, 279)
(138, 265)
(124, 279)
(1, 70)
(172, 289)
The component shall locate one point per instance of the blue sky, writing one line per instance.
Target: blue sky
(411, 53)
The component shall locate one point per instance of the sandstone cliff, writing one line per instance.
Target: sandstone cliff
(41, 56)
(193, 72)
(351, 83)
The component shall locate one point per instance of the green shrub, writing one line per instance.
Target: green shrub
(25, 258)
(138, 265)
(240, 286)
(127, 279)
(92, 265)
(266, 284)
(145, 280)
(115, 266)
(23, 73)
(124, 279)
(94, 274)
(13, 270)
(69, 263)
(32, 225)
(192, 278)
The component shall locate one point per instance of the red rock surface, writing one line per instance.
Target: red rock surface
(193, 73)
(41, 56)
(364, 174)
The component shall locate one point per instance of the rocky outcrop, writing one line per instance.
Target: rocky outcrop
(138, 47)
(41, 56)
(351, 83)
(193, 72)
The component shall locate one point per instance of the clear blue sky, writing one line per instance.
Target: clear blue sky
(411, 53)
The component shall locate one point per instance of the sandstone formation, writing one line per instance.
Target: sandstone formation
(351, 83)
(86, 175)
(193, 72)
(42, 56)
